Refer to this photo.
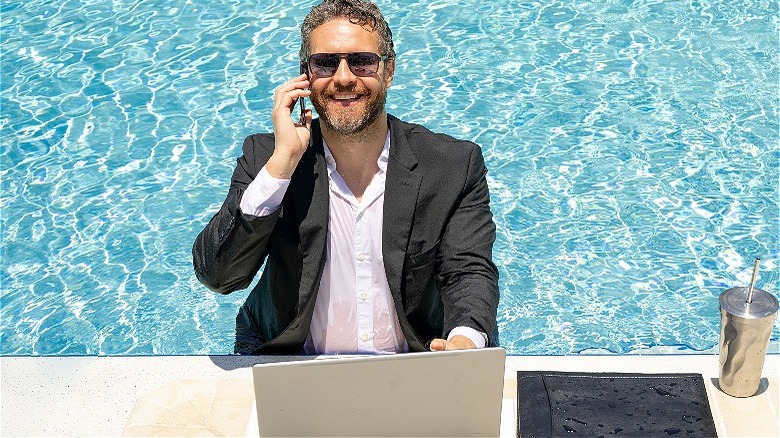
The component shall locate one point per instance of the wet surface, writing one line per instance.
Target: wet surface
(560, 404)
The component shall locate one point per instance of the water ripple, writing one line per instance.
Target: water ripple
(632, 146)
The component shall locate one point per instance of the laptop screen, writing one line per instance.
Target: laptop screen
(450, 393)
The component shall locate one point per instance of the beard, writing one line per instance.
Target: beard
(347, 121)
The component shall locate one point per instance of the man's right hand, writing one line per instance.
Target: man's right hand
(292, 139)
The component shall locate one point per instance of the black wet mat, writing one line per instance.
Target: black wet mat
(553, 404)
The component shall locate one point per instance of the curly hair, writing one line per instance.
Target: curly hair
(360, 12)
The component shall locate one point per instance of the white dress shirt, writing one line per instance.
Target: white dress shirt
(354, 311)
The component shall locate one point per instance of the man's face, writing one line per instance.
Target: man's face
(346, 103)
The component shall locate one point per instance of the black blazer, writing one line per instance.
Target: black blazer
(436, 242)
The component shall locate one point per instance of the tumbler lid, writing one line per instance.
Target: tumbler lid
(734, 301)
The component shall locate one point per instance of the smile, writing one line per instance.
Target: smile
(346, 99)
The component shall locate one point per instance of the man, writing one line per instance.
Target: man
(376, 234)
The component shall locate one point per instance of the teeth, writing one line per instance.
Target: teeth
(345, 97)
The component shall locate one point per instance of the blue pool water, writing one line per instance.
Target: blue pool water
(632, 148)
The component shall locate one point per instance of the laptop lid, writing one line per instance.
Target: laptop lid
(449, 393)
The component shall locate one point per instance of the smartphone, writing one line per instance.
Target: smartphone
(302, 120)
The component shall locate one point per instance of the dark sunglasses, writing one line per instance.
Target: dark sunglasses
(360, 63)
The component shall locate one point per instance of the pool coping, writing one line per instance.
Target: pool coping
(101, 396)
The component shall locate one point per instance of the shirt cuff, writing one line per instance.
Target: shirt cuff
(477, 337)
(264, 195)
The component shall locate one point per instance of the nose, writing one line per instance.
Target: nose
(343, 75)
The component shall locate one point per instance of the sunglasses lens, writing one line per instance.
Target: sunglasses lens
(324, 64)
(361, 63)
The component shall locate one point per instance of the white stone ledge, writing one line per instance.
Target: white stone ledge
(112, 396)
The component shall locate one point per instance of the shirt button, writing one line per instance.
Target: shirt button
(361, 256)
(363, 296)
(365, 336)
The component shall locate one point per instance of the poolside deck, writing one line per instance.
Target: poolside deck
(212, 395)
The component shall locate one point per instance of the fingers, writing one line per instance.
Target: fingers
(457, 342)
(288, 94)
(285, 98)
(291, 137)
(438, 345)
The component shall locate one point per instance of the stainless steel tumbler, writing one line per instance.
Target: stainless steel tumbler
(745, 328)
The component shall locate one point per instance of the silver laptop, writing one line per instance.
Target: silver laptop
(449, 393)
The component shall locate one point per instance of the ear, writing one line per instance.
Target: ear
(389, 71)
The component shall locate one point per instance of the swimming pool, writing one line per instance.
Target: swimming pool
(632, 149)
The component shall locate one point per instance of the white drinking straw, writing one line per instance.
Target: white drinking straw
(753, 282)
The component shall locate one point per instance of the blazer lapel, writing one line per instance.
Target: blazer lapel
(311, 205)
(402, 186)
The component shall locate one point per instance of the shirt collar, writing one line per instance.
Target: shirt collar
(381, 162)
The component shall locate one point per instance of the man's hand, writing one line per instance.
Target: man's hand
(458, 342)
(292, 139)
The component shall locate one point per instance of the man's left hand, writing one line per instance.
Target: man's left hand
(457, 342)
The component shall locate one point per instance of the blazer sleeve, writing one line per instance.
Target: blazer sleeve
(231, 248)
(467, 276)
